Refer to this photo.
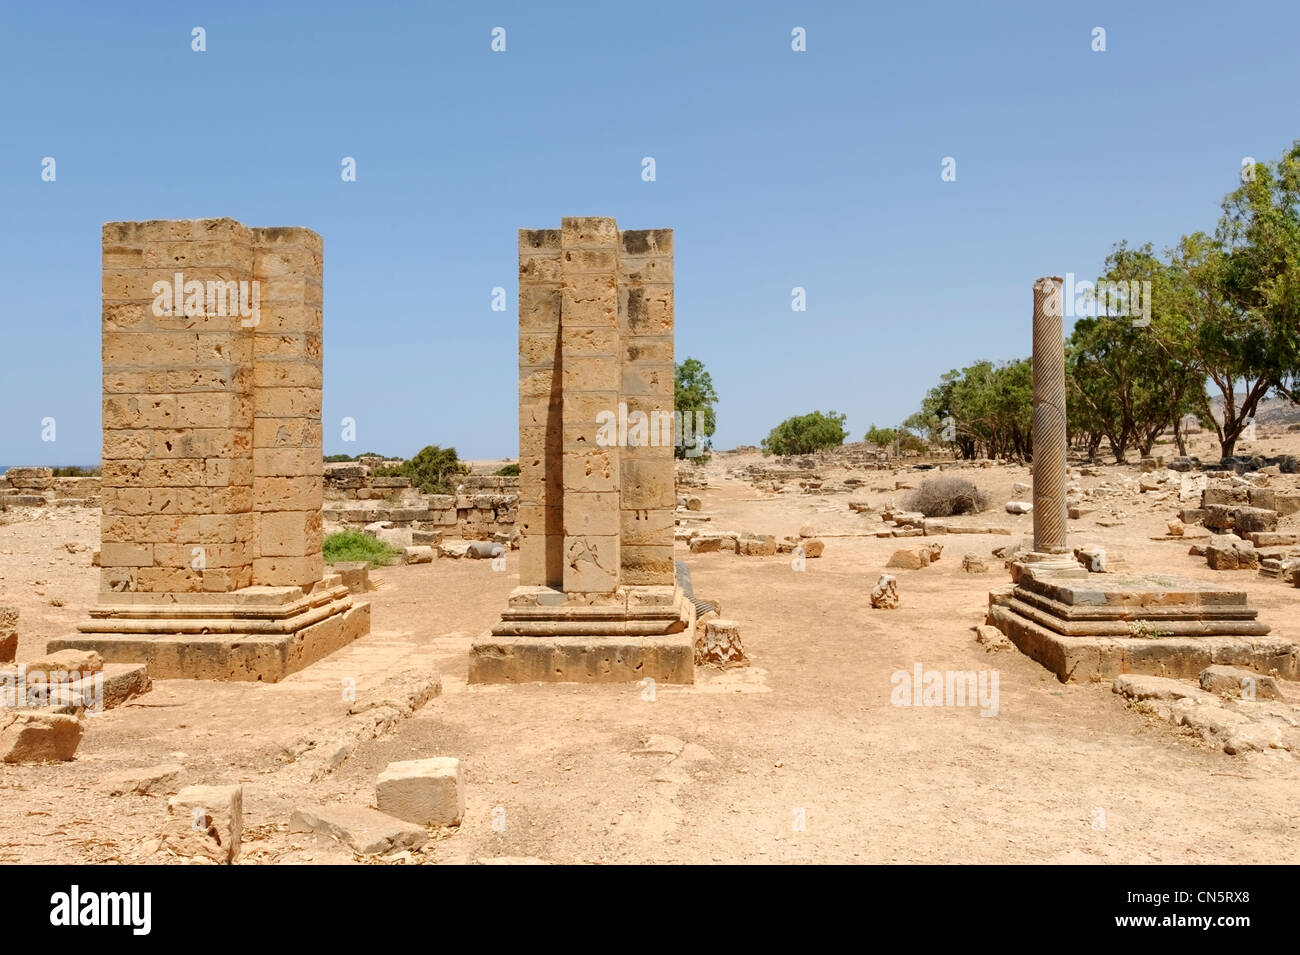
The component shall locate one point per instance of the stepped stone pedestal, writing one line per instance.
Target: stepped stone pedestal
(598, 599)
(211, 562)
(1084, 626)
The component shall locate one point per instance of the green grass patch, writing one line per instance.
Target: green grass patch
(354, 545)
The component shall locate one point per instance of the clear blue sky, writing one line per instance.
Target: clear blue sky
(776, 169)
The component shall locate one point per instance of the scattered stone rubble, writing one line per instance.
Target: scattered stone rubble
(1238, 710)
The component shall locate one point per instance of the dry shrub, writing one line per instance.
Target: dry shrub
(946, 496)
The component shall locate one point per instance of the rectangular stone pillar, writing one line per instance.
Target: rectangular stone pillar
(589, 374)
(288, 464)
(541, 546)
(212, 462)
(648, 495)
(178, 408)
(598, 599)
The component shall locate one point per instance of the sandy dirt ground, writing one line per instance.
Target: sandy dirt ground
(798, 757)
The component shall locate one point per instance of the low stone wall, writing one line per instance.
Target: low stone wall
(38, 487)
(485, 507)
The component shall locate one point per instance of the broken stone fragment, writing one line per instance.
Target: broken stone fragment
(1239, 683)
(205, 822)
(37, 737)
(418, 554)
(143, 781)
(1019, 507)
(910, 558)
(756, 546)
(973, 564)
(718, 642)
(706, 545)
(991, 638)
(64, 666)
(884, 596)
(8, 633)
(368, 831)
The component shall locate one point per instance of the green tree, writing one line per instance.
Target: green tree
(881, 437)
(431, 470)
(804, 434)
(1128, 377)
(693, 395)
(985, 409)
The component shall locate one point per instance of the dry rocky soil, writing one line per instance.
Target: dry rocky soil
(798, 757)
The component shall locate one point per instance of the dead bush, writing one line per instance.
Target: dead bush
(946, 496)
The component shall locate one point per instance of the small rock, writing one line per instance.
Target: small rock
(973, 564)
(884, 596)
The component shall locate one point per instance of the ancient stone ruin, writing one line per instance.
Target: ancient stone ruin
(597, 599)
(1088, 626)
(212, 461)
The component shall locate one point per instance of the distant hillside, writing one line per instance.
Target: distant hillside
(1273, 412)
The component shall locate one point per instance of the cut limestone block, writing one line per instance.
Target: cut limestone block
(991, 638)
(719, 643)
(8, 633)
(706, 545)
(63, 666)
(91, 692)
(427, 792)
(418, 554)
(37, 737)
(1240, 683)
(1092, 558)
(143, 781)
(756, 546)
(205, 822)
(355, 574)
(368, 831)
(813, 546)
(884, 596)
(1225, 552)
(913, 558)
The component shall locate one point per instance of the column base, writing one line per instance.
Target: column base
(257, 633)
(548, 636)
(1089, 627)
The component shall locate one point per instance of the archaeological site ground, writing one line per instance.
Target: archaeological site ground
(484, 511)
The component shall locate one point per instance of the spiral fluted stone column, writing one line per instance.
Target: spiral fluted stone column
(1050, 440)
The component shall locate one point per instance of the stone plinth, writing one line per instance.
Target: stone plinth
(597, 600)
(212, 461)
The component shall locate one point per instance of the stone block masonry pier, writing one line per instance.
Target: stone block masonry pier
(597, 599)
(212, 461)
(1094, 626)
